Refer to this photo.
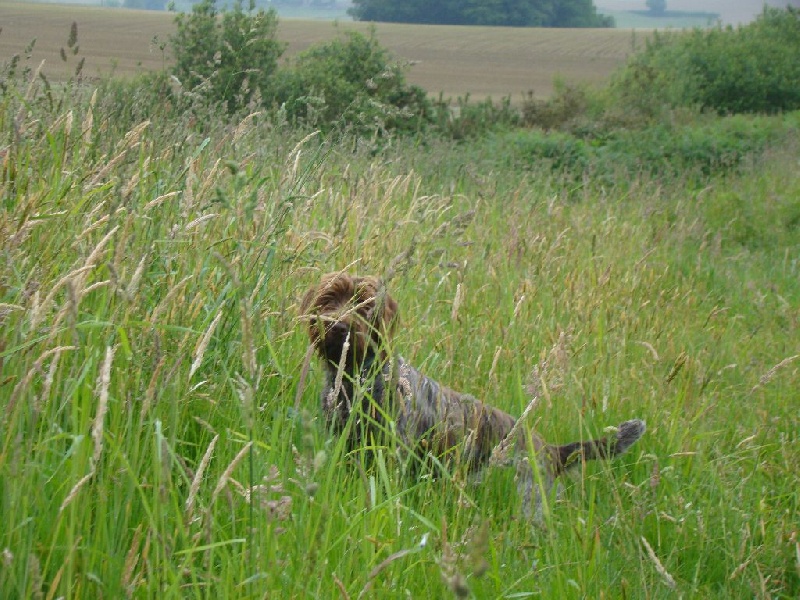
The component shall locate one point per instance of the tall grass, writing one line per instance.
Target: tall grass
(156, 439)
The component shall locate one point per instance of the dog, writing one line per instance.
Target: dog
(370, 394)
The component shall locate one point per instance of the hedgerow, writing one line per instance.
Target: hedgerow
(694, 151)
(747, 69)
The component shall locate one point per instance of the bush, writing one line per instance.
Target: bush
(753, 68)
(472, 119)
(557, 152)
(231, 60)
(568, 104)
(148, 95)
(351, 82)
(695, 151)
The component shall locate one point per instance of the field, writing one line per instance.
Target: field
(481, 62)
(160, 428)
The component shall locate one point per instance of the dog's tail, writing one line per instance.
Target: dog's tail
(608, 447)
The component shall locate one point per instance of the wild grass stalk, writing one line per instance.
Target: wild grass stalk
(151, 344)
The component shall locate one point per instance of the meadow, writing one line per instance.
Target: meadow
(456, 61)
(160, 431)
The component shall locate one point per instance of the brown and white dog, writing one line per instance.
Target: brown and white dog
(370, 394)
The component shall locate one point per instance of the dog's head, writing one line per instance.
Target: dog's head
(342, 304)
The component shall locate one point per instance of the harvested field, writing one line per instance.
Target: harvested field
(479, 61)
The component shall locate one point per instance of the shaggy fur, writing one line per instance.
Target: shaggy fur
(350, 320)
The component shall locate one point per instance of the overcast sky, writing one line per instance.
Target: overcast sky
(730, 11)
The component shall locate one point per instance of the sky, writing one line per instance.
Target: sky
(731, 11)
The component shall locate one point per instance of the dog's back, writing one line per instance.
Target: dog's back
(370, 394)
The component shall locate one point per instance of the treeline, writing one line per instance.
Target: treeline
(511, 13)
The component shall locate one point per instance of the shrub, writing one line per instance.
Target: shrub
(557, 152)
(568, 104)
(753, 68)
(229, 60)
(694, 152)
(146, 95)
(472, 119)
(351, 81)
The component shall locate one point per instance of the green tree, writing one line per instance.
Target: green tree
(516, 13)
(502, 12)
(351, 81)
(578, 13)
(228, 60)
(145, 4)
(751, 68)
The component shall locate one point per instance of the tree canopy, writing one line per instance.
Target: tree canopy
(512, 13)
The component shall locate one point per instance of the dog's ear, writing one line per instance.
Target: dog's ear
(306, 310)
(385, 308)
(308, 299)
(332, 286)
(389, 313)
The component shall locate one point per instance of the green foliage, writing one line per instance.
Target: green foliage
(568, 104)
(159, 424)
(469, 119)
(513, 13)
(146, 96)
(351, 82)
(555, 151)
(145, 4)
(229, 57)
(694, 152)
(752, 68)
